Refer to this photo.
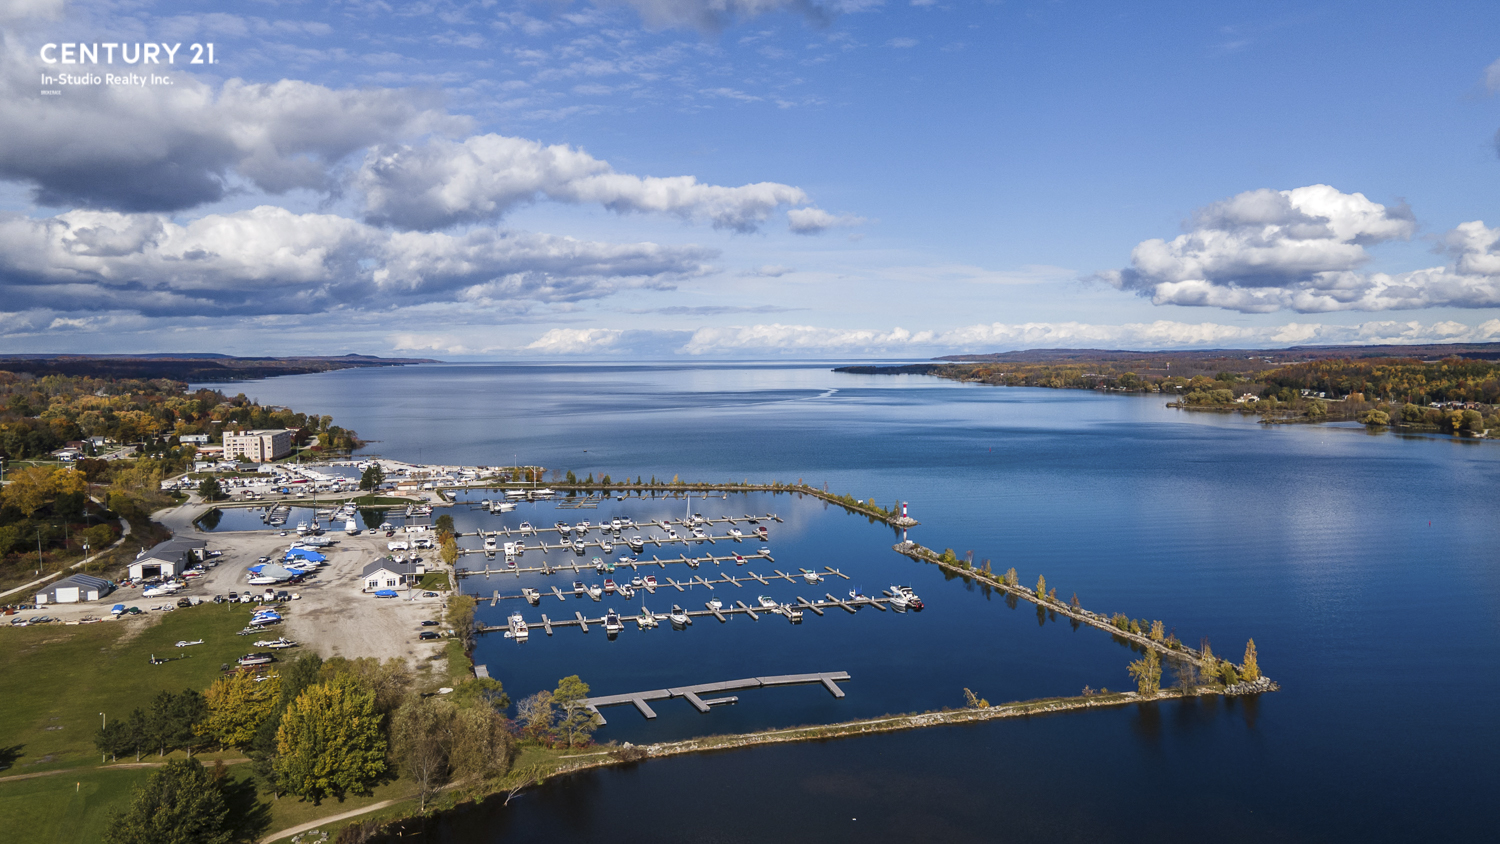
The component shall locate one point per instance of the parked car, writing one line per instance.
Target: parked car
(429, 623)
(429, 594)
(428, 634)
(184, 602)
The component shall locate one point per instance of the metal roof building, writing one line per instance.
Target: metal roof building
(168, 559)
(73, 589)
(387, 573)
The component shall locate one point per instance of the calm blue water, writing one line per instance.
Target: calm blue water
(1365, 567)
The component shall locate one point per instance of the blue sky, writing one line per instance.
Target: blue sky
(750, 178)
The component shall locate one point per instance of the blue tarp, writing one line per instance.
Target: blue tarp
(305, 554)
(385, 593)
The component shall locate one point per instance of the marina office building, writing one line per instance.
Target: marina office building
(257, 446)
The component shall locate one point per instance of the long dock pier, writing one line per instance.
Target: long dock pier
(634, 564)
(645, 618)
(631, 524)
(613, 544)
(693, 694)
(535, 596)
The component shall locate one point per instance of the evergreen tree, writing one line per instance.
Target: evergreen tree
(180, 804)
(372, 478)
(1041, 587)
(210, 489)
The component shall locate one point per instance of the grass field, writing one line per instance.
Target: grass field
(59, 679)
(65, 807)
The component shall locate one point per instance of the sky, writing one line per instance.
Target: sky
(684, 179)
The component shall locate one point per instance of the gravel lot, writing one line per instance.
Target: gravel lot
(332, 616)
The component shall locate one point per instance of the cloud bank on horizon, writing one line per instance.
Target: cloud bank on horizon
(407, 202)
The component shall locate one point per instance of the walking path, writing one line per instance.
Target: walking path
(25, 587)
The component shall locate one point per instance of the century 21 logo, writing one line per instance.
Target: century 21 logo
(145, 53)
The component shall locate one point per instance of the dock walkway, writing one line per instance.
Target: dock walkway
(693, 694)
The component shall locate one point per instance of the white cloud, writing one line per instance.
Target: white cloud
(20, 10)
(1162, 334)
(1302, 250)
(442, 183)
(270, 260)
(169, 147)
(715, 15)
(817, 221)
(771, 271)
(902, 43)
(576, 341)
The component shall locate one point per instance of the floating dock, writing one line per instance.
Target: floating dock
(693, 694)
(792, 612)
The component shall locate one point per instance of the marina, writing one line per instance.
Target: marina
(683, 617)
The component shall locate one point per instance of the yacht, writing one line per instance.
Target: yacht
(526, 529)
(578, 547)
(624, 591)
(811, 576)
(612, 623)
(596, 591)
(563, 528)
(543, 493)
(736, 534)
(650, 582)
(671, 533)
(636, 544)
(762, 533)
(351, 528)
(515, 493)
(679, 616)
(715, 603)
(898, 601)
(583, 527)
(637, 582)
(699, 535)
(739, 559)
(911, 597)
(767, 602)
(489, 543)
(302, 528)
(856, 595)
(606, 546)
(578, 588)
(615, 523)
(609, 586)
(518, 629)
(598, 564)
(502, 507)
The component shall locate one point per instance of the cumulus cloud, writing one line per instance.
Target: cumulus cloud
(817, 221)
(442, 183)
(1161, 334)
(269, 260)
(770, 271)
(574, 341)
(20, 10)
(715, 15)
(1303, 250)
(171, 147)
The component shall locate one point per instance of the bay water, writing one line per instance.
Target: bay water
(1363, 564)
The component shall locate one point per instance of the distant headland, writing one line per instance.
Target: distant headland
(201, 367)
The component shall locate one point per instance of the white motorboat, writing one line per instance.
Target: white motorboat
(302, 528)
(578, 547)
(636, 544)
(489, 543)
(716, 603)
(518, 628)
(526, 529)
(897, 600)
(596, 591)
(679, 616)
(736, 533)
(650, 582)
(767, 602)
(811, 576)
(645, 619)
(351, 528)
(637, 582)
(606, 546)
(612, 622)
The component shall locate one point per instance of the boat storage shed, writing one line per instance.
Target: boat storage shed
(168, 559)
(387, 573)
(74, 589)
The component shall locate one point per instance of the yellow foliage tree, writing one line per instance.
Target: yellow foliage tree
(237, 705)
(1147, 673)
(1251, 669)
(29, 489)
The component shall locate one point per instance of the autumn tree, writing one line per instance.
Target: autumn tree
(577, 720)
(418, 730)
(180, 803)
(29, 489)
(537, 715)
(330, 741)
(1250, 670)
(237, 705)
(448, 551)
(1147, 673)
(1011, 578)
(1041, 587)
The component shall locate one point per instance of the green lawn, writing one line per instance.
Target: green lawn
(67, 807)
(59, 678)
